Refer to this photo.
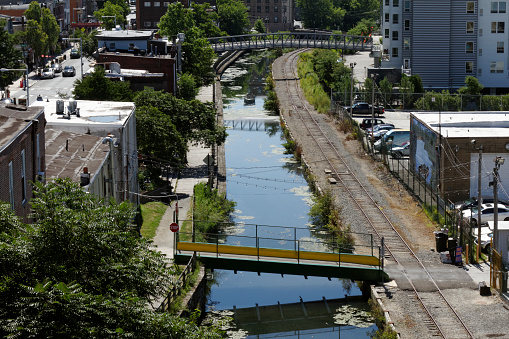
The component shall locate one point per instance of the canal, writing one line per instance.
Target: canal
(270, 189)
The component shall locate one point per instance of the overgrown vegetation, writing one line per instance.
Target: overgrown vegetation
(384, 331)
(271, 103)
(211, 209)
(152, 213)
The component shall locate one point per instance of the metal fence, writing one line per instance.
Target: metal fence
(498, 272)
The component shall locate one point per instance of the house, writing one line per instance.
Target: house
(83, 158)
(22, 158)
(125, 40)
(445, 41)
(444, 149)
(111, 123)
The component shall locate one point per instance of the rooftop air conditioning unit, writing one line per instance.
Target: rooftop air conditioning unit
(60, 106)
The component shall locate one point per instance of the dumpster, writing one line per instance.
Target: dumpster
(441, 241)
(451, 246)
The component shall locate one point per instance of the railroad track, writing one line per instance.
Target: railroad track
(441, 319)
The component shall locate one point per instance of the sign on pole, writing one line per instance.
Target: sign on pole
(174, 227)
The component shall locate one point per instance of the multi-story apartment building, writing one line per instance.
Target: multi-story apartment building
(277, 15)
(446, 40)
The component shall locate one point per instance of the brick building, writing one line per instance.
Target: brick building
(278, 15)
(455, 165)
(22, 158)
(149, 12)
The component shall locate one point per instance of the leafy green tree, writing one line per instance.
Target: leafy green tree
(406, 88)
(81, 270)
(259, 26)
(97, 87)
(89, 41)
(176, 20)
(9, 57)
(198, 57)
(124, 5)
(40, 20)
(473, 86)
(386, 89)
(363, 28)
(110, 14)
(167, 124)
(357, 10)
(417, 82)
(316, 13)
(232, 16)
(186, 87)
(206, 20)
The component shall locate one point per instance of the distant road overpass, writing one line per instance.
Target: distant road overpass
(291, 40)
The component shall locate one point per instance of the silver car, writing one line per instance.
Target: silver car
(399, 152)
(48, 73)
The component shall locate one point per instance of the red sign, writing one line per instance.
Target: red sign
(174, 227)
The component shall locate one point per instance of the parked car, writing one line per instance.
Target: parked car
(487, 213)
(379, 131)
(69, 71)
(75, 54)
(472, 203)
(364, 108)
(379, 127)
(369, 123)
(48, 73)
(486, 236)
(393, 138)
(399, 152)
(57, 67)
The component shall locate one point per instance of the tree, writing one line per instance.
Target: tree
(110, 14)
(417, 82)
(9, 57)
(186, 87)
(176, 20)
(386, 89)
(90, 43)
(167, 124)
(232, 16)
(259, 26)
(81, 270)
(407, 89)
(198, 57)
(97, 87)
(473, 86)
(316, 13)
(357, 10)
(42, 29)
(206, 20)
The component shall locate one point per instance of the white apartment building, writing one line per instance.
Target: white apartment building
(446, 40)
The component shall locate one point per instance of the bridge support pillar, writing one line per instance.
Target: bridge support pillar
(366, 289)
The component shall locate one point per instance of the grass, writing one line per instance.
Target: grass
(313, 90)
(152, 212)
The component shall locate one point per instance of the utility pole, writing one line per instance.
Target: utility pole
(479, 203)
(352, 65)
(372, 113)
(498, 162)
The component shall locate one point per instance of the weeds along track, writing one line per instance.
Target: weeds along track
(440, 318)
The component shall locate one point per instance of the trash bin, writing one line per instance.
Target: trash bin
(441, 241)
(451, 246)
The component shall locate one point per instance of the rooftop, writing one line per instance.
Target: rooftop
(13, 120)
(125, 34)
(67, 154)
(467, 124)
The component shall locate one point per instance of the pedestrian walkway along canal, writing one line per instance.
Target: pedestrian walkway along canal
(270, 189)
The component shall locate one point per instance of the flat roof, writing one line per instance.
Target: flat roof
(124, 35)
(13, 120)
(466, 124)
(67, 154)
(93, 114)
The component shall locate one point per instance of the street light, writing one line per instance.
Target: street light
(498, 162)
(81, 52)
(111, 16)
(21, 69)
(352, 65)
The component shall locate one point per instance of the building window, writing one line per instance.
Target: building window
(498, 7)
(497, 67)
(266, 8)
(275, 1)
(470, 27)
(386, 34)
(275, 8)
(395, 18)
(131, 47)
(23, 180)
(500, 47)
(470, 7)
(147, 4)
(275, 19)
(469, 67)
(480, 51)
(267, 1)
(395, 3)
(11, 184)
(147, 24)
(259, 1)
(387, 16)
(387, 2)
(395, 35)
(166, 4)
(112, 46)
(469, 47)
(258, 8)
(407, 6)
(497, 27)
(157, 4)
(407, 25)
(406, 43)
(406, 64)
(394, 52)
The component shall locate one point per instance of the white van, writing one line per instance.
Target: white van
(393, 138)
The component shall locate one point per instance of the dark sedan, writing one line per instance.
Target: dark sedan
(69, 71)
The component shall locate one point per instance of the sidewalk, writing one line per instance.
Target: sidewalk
(195, 173)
